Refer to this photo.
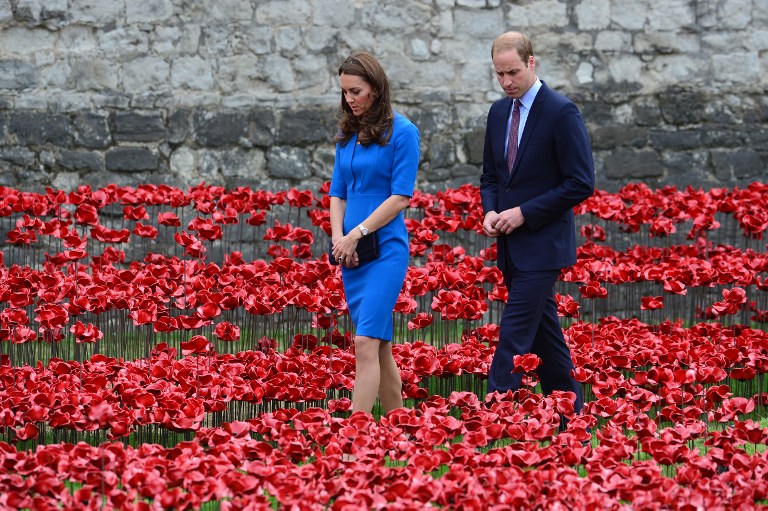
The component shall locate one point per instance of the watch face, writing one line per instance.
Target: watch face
(364, 230)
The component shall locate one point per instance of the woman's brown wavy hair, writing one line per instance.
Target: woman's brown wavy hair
(375, 125)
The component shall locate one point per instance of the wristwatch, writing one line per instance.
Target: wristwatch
(364, 230)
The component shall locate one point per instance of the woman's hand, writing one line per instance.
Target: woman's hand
(345, 251)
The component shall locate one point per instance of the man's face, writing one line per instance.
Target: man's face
(514, 76)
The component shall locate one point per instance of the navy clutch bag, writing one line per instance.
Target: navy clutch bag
(367, 250)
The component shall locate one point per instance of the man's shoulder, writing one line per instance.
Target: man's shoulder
(500, 107)
(552, 96)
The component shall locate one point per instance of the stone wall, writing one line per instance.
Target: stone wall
(244, 92)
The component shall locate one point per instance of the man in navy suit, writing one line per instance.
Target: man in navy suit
(537, 165)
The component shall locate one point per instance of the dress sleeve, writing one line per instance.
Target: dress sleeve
(338, 185)
(406, 159)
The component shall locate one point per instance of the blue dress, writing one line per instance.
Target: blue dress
(365, 177)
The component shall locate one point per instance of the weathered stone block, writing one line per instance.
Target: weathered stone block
(92, 130)
(545, 13)
(146, 73)
(183, 163)
(33, 128)
(7, 177)
(311, 71)
(631, 164)
(441, 152)
(103, 179)
(67, 181)
(754, 112)
(208, 167)
(300, 127)
(219, 129)
(87, 73)
(17, 74)
(742, 162)
(682, 107)
(395, 16)
(281, 13)
(675, 140)
(721, 112)
(261, 125)
(613, 40)
(131, 159)
(594, 112)
(629, 14)
(148, 11)
(240, 10)
(647, 112)
(671, 15)
(81, 160)
(26, 41)
(724, 136)
(192, 73)
(322, 160)
(288, 163)
(3, 126)
(454, 177)
(6, 12)
(327, 14)
(688, 168)
(139, 127)
(613, 136)
(17, 155)
(474, 142)
(278, 72)
(593, 14)
(758, 138)
(178, 126)
(429, 120)
(97, 11)
(245, 163)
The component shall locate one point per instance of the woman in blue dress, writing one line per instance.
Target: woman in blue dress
(377, 156)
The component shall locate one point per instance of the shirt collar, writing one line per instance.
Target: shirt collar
(527, 99)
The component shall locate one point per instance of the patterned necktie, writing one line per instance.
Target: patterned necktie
(513, 129)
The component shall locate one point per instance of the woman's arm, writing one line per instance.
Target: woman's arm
(337, 209)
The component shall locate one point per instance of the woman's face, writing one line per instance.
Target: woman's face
(358, 93)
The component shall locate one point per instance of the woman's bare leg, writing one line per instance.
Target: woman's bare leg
(390, 385)
(367, 373)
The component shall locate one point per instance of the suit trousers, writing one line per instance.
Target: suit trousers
(529, 324)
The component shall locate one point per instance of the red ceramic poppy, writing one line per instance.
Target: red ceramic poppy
(226, 331)
(168, 219)
(196, 345)
(593, 290)
(567, 306)
(652, 302)
(86, 333)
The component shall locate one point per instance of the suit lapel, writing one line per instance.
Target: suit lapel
(530, 124)
(501, 140)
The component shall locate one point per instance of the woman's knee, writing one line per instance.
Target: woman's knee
(366, 348)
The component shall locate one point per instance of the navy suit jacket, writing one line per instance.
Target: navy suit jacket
(553, 172)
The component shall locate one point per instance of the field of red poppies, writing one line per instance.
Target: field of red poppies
(191, 349)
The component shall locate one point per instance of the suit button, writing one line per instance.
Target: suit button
(506, 189)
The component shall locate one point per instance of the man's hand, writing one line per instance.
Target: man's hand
(489, 225)
(505, 222)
